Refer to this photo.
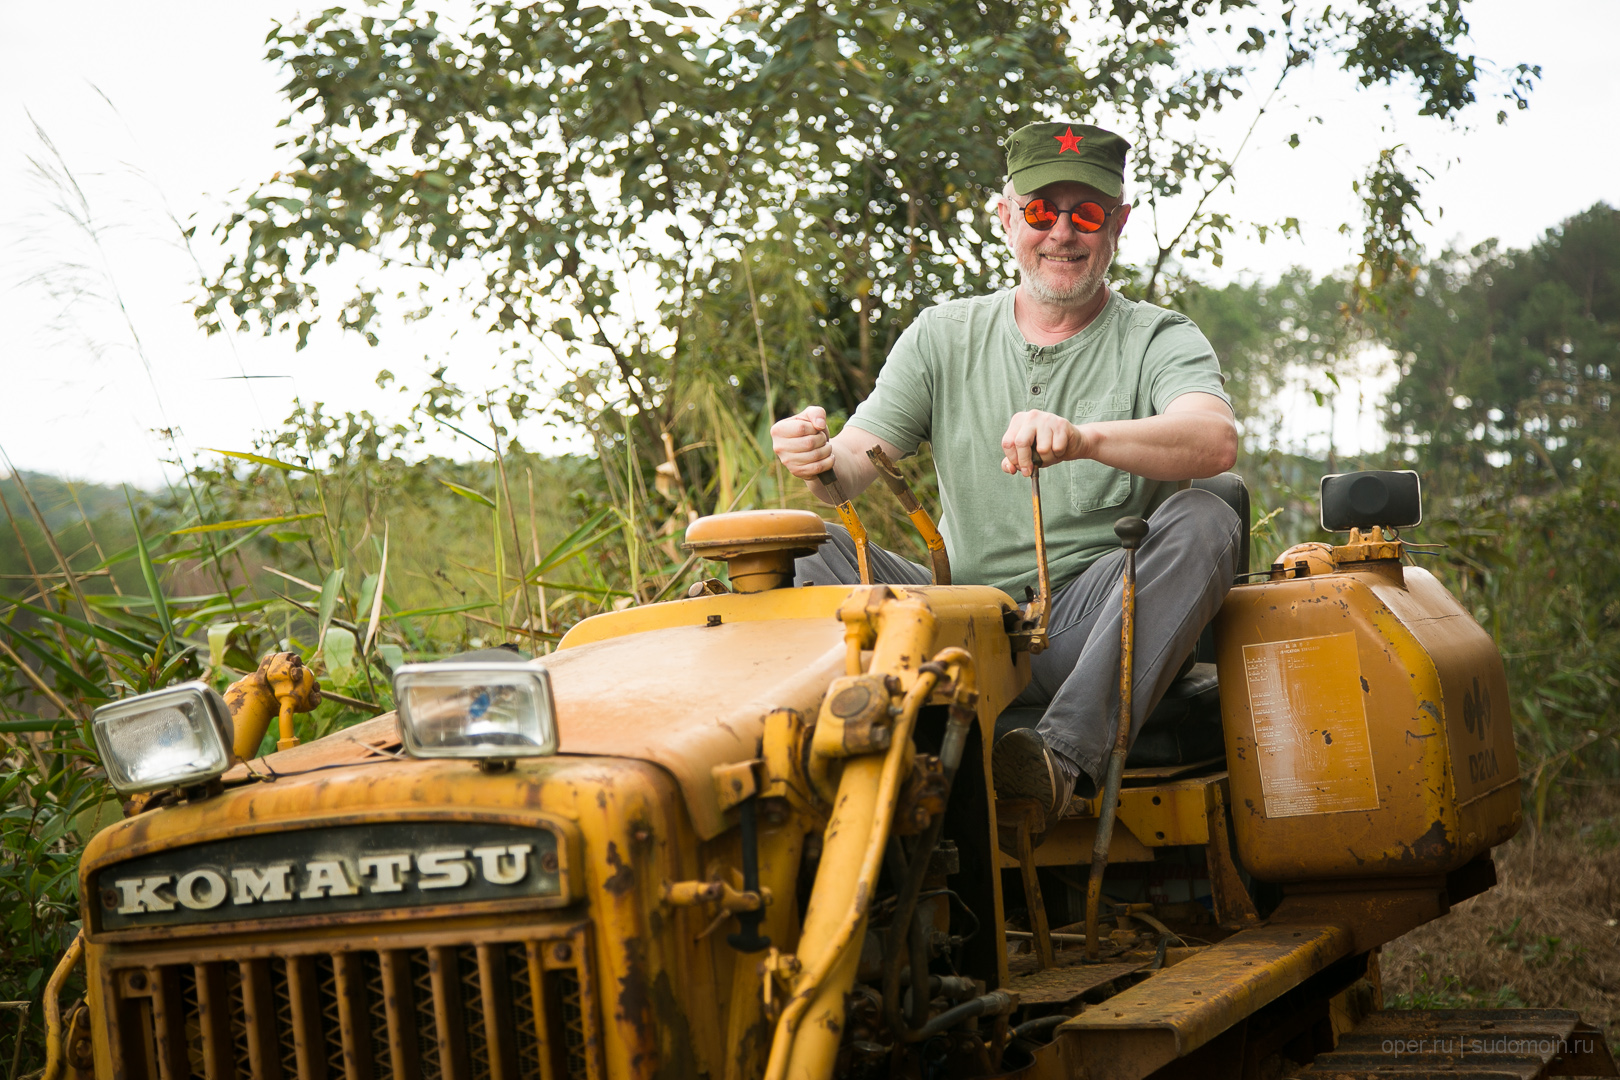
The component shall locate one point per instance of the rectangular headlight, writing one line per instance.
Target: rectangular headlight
(475, 710)
(169, 738)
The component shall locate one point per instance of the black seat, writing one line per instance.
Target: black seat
(1185, 726)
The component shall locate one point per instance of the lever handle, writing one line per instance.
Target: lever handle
(1130, 531)
(829, 480)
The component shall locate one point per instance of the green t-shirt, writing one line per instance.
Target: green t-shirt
(959, 373)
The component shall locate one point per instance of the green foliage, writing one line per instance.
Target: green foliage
(1537, 951)
(1508, 359)
(1449, 993)
(1296, 332)
(791, 185)
(395, 573)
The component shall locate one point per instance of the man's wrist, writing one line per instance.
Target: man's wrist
(1079, 445)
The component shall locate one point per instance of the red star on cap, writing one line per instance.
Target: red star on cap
(1070, 140)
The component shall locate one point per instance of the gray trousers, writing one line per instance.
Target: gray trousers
(1183, 570)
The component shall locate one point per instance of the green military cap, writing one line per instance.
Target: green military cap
(1041, 154)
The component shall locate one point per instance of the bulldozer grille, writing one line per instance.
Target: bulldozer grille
(501, 1010)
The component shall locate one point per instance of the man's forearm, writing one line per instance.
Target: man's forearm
(853, 468)
(1177, 446)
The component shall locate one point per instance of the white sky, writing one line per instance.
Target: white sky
(196, 109)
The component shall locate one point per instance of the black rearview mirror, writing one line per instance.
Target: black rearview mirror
(1362, 500)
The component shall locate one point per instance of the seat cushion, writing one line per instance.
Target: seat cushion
(1183, 728)
(1230, 489)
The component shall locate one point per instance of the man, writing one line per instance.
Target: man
(1121, 401)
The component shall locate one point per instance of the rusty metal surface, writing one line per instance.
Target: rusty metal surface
(373, 740)
(808, 1031)
(889, 473)
(1229, 896)
(281, 686)
(511, 1006)
(658, 683)
(1469, 1044)
(1108, 804)
(1377, 913)
(1068, 980)
(1367, 731)
(1022, 818)
(658, 980)
(1184, 1007)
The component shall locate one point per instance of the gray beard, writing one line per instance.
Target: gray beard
(1083, 290)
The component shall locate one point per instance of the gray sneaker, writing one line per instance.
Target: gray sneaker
(1024, 767)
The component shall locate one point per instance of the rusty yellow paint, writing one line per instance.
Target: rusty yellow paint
(672, 714)
(808, 1033)
(280, 687)
(906, 629)
(1367, 727)
(691, 697)
(1181, 1008)
(667, 716)
(734, 781)
(660, 983)
(1170, 814)
(748, 1028)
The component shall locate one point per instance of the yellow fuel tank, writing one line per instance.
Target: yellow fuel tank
(1367, 724)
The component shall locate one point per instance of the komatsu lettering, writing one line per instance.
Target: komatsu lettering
(269, 884)
(386, 869)
(442, 869)
(201, 890)
(494, 872)
(140, 894)
(326, 878)
(204, 888)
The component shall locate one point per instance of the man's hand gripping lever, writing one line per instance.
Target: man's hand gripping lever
(1029, 629)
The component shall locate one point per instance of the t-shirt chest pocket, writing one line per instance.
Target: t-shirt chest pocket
(1093, 485)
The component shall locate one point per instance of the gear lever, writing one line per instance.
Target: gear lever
(1130, 531)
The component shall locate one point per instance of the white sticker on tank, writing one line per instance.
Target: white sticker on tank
(1310, 726)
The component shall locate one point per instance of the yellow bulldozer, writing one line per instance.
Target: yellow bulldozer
(753, 833)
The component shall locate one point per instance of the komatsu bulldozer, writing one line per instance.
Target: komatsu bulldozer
(753, 833)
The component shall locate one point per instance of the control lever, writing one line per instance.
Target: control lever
(1130, 531)
(851, 520)
(940, 561)
(1029, 630)
(749, 939)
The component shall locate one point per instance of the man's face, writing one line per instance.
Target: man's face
(1063, 265)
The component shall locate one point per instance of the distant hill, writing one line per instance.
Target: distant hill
(80, 515)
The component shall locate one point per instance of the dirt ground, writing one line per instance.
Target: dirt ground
(1548, 935)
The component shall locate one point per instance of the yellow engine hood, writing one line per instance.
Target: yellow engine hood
(671, 689)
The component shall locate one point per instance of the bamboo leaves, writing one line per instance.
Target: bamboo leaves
(469, 494)
(149, 572)
(330, 595)
(243, 523)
